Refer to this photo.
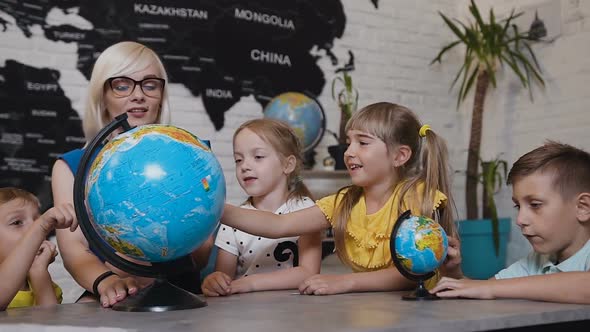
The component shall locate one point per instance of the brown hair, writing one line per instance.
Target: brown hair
(286, 143)
(397, 125)
(10, 193)
(570, 167)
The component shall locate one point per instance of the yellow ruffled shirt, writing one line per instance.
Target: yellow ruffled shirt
(27, 298)
(367, 235)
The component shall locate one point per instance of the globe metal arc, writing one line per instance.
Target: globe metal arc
(154, 194)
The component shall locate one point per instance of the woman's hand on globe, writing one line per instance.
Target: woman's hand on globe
(216, 284)
(452, 265)
(325, 284)
(114, 289)
(465, 288)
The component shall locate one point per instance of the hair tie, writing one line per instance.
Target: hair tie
(423, 130)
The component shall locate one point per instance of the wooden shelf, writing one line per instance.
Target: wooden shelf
(322, 183)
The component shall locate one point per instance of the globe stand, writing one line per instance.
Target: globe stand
(158, 297)
(161, 295)
(420, 293)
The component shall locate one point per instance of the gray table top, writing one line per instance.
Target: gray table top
(284, 311)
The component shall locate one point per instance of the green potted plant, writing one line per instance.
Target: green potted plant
(346, 97)
(489, 46)
(493, 174)
(477, 244)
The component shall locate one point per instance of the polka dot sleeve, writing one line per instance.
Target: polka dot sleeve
(326, 204)
(226, 239)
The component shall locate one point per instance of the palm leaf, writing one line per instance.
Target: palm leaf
(512, 62)
(507, 23)
(490, 67)
(466, 70)
(470, 81)
(493, 173)
(532, 55)
(444, 50)
(457, 76)
(495, 224)
(475, 12)
(488, 44)
(453, 28)
(527, 66)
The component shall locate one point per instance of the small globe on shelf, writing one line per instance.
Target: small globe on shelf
(145, 201)
(304, 114)
(418, 247)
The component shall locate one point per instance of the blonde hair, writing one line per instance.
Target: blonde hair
(8, 194)
(286, 143)
(120, 59)
(397, 125)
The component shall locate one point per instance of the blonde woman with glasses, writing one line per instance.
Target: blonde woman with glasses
(127, 78)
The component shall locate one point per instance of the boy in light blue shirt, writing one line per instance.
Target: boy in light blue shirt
(551, 190)
(535, 264)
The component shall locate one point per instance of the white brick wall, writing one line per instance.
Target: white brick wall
(513, 125)
(393, 47)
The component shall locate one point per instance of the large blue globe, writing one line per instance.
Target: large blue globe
(155, 193)
(302, 113)
(421, 245)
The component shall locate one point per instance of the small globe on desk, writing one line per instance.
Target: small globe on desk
(304, 114)
(153, 193)
(418, 247)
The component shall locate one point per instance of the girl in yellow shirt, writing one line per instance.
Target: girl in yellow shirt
(395, 164)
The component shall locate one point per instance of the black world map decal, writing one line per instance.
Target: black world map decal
(220, 50)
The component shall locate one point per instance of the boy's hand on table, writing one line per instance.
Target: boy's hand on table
(467, 288)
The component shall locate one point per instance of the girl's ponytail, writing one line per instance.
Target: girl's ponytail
(436, 176)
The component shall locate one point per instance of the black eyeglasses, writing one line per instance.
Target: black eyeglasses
(123, 86)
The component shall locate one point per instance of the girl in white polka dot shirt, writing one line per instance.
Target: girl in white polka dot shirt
(268, 161)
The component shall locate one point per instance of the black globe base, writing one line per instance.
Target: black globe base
(420, 294)
(158, 297)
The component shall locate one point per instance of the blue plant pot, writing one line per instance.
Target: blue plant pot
(479, 260)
